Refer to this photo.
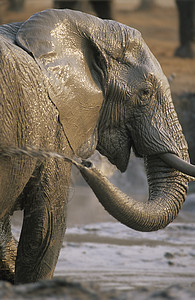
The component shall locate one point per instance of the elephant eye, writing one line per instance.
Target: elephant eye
(145, 93)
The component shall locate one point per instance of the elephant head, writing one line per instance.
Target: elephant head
(111, 94)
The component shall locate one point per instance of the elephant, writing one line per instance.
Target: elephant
(16, 5)
(186, 15)
(146, 4)
(72, 83)
(103, 8)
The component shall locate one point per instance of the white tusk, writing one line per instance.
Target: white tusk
(179, 164)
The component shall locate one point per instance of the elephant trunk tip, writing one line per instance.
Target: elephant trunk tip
(86, 163)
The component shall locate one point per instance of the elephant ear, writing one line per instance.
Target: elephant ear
(55, 39)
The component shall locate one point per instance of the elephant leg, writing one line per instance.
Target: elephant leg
(13, 178)
(44, 222)
(8, 250)
(16, 5)
(65, 4)
(103, 8)
(186, 11)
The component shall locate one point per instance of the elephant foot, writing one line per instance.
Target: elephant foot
(8, 253)
(186, 51)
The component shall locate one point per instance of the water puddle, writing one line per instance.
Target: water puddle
(112, 255)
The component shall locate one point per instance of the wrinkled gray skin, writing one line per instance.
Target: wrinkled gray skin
(71, 83)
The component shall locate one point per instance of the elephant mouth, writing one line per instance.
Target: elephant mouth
(116, 147)
(171, 159)
(119, 159)
(119, 156)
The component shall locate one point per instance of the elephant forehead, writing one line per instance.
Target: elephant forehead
(141, 60)
(150, 64)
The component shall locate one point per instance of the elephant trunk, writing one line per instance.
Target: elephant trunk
(167, 191)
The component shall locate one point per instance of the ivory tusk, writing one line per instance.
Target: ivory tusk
(179, 164)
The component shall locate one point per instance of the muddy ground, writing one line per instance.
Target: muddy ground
(100, 258)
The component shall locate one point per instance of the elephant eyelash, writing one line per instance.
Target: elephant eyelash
(128, 92)
(145, 92)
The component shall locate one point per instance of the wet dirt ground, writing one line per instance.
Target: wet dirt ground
(123, 263)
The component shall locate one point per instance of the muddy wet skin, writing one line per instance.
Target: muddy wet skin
(100, 258)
